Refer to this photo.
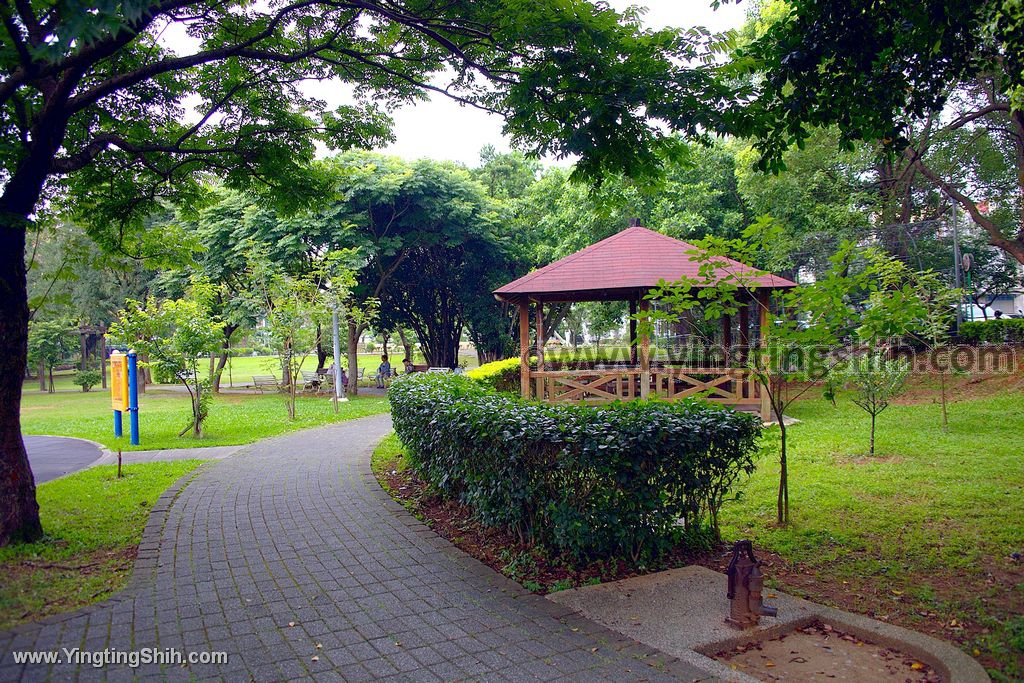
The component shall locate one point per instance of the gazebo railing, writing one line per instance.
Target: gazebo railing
(730, 386)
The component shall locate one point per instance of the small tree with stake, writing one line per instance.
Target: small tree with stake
(174, 334)
(795, 350)
(876, 380)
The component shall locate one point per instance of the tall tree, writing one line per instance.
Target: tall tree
(885, 71)
(95, 116)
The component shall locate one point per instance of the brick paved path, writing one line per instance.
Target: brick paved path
(290, 544)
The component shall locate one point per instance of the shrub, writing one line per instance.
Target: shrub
(996, 331)
(87, 379)
(501, 375)
(627, 478)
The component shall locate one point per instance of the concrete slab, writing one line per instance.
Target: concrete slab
(199, 453)
(682, 613)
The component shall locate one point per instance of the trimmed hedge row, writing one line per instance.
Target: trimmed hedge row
(996, 331)
(625, 479)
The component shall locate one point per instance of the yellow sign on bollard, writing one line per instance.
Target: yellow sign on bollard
(119, 381)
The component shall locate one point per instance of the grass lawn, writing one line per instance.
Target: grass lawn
(924, 533)
(244, 367)
(234, 418)
(93, 523)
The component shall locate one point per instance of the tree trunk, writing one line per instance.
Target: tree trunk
(353, 360)
(871, 448)
(782, 505)
(219, 370)
(223, 360)
(942, 391)
(19, 512)
(321, 352)
(197, 421)
(406, 344)
(42, 375)
(145, 375)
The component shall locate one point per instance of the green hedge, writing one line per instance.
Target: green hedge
(501, 375)
(596, 481)
(996, 331)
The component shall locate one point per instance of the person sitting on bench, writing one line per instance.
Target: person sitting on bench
(383, 371)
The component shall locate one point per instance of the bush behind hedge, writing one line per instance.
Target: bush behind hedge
(995, 331)
(499, 375)
(597, 481)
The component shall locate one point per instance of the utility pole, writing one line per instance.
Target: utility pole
(338, 396)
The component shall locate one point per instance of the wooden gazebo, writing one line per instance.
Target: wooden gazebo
(625, 267)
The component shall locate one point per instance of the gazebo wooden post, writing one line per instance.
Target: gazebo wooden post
(524, 348)
(632, 332)
(540, 350)
(727, 338)
(744, 330)
(763, 301)
(645, 352)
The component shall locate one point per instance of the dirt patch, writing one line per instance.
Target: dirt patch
(925, 388)
(820, 653)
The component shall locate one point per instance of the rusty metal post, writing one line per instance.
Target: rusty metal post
(746, 585)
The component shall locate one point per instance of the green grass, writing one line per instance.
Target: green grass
(93, 522)
(921, 526)
(243, 368)
(234, 419)
(387, 455)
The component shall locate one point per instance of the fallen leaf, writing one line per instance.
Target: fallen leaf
(917, 666)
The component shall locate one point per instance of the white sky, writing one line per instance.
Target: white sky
(441, 129)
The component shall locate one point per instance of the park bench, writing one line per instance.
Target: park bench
(312, 380)
(439, 369)
(262, 382)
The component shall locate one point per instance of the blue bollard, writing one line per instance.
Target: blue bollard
(133, 397)
(117, 423)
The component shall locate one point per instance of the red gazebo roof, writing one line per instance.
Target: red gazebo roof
(621, 267)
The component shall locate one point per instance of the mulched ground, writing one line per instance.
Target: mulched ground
(528, 564)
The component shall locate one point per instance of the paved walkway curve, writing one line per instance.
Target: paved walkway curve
(51, 457)
(292, 543)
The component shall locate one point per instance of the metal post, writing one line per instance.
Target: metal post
(118, 429)
(957, 268)
(133, 396)
(338, 396)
